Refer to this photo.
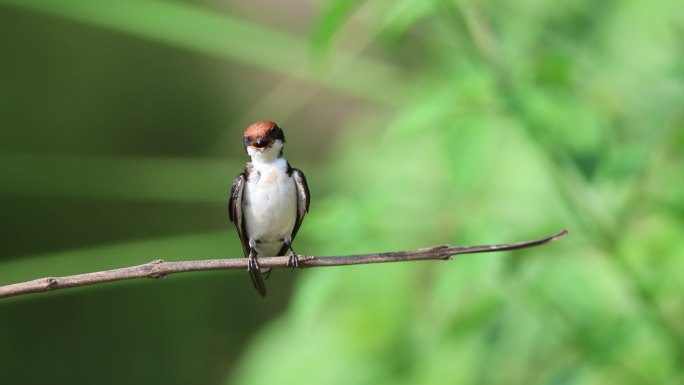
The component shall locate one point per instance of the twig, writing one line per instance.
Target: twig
(160, 269)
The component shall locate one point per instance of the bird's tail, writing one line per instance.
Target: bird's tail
(258, 281)
(266, 272)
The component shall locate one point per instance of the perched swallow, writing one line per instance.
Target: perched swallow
(268, 200)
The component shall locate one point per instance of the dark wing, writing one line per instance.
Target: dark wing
(303, 198)
(235, 210)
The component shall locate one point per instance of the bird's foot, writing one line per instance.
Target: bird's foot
(252, 264)
(293, 262)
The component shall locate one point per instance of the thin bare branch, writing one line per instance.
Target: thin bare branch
(160, 269)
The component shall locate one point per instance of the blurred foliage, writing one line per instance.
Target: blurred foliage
(417, 123)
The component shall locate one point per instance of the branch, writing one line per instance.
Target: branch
(160, 269)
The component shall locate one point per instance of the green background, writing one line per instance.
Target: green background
(416, 122)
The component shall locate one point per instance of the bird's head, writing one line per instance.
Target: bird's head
(264, 140)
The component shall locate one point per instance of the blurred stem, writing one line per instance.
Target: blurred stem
(468, 19)
(605, 234)
(207, 32)
(287, 97)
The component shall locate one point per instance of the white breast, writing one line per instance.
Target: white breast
(269, 206)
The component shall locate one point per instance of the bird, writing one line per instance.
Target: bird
(268, 200)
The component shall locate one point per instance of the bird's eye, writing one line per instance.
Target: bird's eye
(277, 133)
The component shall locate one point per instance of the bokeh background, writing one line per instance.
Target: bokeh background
(416, 122)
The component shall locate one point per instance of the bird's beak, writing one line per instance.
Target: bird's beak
(261, 143)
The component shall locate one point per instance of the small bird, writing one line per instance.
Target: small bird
(268, 200)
